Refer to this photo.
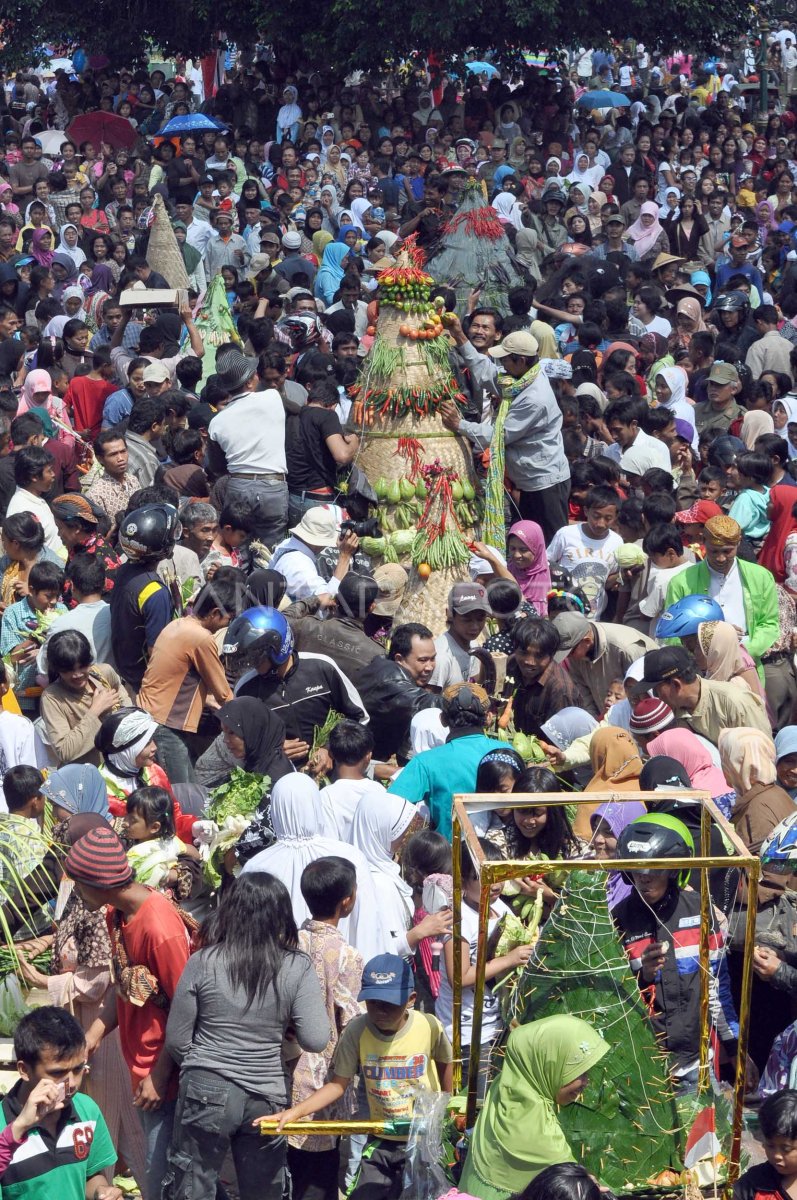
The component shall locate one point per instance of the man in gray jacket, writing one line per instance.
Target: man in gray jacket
(535, 456)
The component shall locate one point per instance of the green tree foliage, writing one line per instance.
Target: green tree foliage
(345, 34)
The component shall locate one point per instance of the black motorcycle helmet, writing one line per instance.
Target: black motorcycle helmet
(150, 532)
(656, 835)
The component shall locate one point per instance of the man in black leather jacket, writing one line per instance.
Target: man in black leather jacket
(393, 689)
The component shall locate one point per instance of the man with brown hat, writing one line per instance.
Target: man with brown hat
(150, 949)
(745, 591)
(721, 409)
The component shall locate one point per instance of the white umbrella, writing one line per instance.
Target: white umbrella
(51, 140)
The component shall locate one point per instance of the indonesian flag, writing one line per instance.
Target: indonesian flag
(702, 1141)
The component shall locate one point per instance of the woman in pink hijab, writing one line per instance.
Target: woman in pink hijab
(647, 235)
(687, 749)
(528, 563)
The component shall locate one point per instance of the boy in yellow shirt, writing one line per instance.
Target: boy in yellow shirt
(397, 1050)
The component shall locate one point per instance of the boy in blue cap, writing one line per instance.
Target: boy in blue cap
(397, 1050)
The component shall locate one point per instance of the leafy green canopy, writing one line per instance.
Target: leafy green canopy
(344, 34)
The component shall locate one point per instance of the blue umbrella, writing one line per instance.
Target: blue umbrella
(481, 68)
(190, 123)
(603, 99)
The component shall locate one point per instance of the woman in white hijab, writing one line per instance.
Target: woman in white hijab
(358, 209)
(583, 173)
(71, 248)
(289, 116)
(297, 818)
(508, 209)
(381, 824)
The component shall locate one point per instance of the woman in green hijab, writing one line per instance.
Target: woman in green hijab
(194, 268)
(517, 1133)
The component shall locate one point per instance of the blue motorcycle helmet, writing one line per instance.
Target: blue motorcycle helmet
(682, 618)
(259, 633)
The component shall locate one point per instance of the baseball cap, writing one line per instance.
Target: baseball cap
(519, 342)
(392, 579)
(388, 978)
(667, 663)
(156, 372)
(616, 219)
(272, 239)
(468, 598)
(572, 629)
(291, 240)
(723, 372)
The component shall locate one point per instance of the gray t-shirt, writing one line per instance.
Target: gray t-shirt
(210, 1026)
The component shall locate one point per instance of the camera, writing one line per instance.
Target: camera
(366, 528)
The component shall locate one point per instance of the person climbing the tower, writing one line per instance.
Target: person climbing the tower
(659, 926)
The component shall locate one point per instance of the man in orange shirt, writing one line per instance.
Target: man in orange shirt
(148, 936)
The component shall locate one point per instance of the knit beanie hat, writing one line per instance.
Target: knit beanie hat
(650, 716)
(98, 859)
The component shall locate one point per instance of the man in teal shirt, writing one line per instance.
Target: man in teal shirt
(434, 776)
(745, 592)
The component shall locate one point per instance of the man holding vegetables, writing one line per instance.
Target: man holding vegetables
(530, 441)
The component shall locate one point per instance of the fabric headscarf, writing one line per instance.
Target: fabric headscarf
(190, 255)
(379, 822)
(789, 406)
(664, 208)
(263, 733)
(134, 732)
(517, 1133)
(508, 209)
(427, 730)
(102, 276)
(726, 658)
(687, 749)
(535, 582)
(617, 816)
(704, 279)
(38, 381)
(665, 773)
(546, 339)
(73, 252)
(567, 725)
(747, 757)
(77, 787)
(297, 817)
(359, 208)
(615, 760)
(693, 309)
(644, 239)
(756, 424)
(266, 587)
(331, 272)
(782, 523)
(639, 458)
(289, 113)
(321, 239)
(43, 257)
(344, 229)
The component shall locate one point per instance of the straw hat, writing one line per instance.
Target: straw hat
(163, 253)
(665, 260)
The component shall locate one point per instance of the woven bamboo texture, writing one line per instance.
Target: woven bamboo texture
(163, 253)
(425, 600)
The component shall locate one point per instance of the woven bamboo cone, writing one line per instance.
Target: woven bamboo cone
(163, 253)
(426, 599)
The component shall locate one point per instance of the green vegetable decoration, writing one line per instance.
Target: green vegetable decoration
(421, 471)
(215, 325)
(627, 1129)
(232, 806)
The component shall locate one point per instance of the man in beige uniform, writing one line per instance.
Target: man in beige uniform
(598, 652)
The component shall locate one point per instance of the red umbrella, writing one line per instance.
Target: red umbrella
(99, 127)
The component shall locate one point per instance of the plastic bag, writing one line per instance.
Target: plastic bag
(424, 1175)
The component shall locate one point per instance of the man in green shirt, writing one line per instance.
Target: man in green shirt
(68, 1151)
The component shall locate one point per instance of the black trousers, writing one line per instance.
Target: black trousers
(314, 1175)
(548, 508)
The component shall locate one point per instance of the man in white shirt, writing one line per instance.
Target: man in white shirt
(34, 476)
(623, 420)
(295, 557)
(246, 441)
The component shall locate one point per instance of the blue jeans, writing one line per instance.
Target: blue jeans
(268, 499)
(158, 1127)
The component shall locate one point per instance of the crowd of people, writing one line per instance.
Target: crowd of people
(188, 607)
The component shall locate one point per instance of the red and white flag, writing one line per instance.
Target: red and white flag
(702, 1141)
